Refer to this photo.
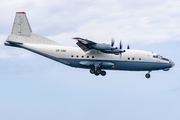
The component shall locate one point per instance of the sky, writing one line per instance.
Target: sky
(34, 87)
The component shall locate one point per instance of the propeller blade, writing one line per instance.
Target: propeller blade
(112, 42)
(128, 47)
(120, 46)
(120, 50)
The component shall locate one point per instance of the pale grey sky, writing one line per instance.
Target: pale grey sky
(34, 87)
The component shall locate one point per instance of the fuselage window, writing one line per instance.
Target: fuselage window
(77, 56)
(71, 55)
(57, 50)
(132, 58)
(128, 58)
(87, 56)
(139, 58)
(82, 56)
(92, 56)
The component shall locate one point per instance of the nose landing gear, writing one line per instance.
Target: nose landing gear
(148, 75)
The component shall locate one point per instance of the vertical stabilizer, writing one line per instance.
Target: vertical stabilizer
(21, 33)
(21, 25)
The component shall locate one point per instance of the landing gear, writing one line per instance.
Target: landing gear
(92, 71)
(97, 72)
(148, 75)
(103, 73)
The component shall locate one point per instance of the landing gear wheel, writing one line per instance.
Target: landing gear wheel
(98, 71)
(103, 73)
(92, 71)
(148, 75)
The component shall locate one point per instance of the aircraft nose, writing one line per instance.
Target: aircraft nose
(172, 63)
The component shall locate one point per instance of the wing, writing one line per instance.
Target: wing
(87, 45)
(84, 44)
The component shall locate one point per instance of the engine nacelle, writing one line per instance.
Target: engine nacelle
(106, 48)
(102, 47)
(116, 52)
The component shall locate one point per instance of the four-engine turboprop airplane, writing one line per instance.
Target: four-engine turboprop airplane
(89, 55)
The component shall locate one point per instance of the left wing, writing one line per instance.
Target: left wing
(85, 44)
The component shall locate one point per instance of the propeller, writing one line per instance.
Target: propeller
(128, 47)
(120, 49)
(120, 46)
(112, 44)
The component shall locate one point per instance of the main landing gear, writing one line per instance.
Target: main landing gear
(98, 72)
(148, 75)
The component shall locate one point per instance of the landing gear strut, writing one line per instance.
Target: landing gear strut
(148, 75)
(97, 72)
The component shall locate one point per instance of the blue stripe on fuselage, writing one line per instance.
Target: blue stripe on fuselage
(121, 65)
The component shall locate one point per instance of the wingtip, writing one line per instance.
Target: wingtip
(21, 12)
(76, 38)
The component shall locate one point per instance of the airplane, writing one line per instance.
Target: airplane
(97, 57)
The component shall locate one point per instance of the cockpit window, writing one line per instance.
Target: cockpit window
(165, 59)
(160, 57)
(155, 56)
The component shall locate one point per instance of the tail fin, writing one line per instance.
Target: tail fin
(21, 25)
(21, 33)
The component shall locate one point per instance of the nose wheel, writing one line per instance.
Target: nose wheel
(148, 75)
(97, 72)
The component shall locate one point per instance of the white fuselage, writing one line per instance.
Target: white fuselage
(134, 59)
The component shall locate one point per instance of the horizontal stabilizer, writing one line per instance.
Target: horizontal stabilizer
(13, 42)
